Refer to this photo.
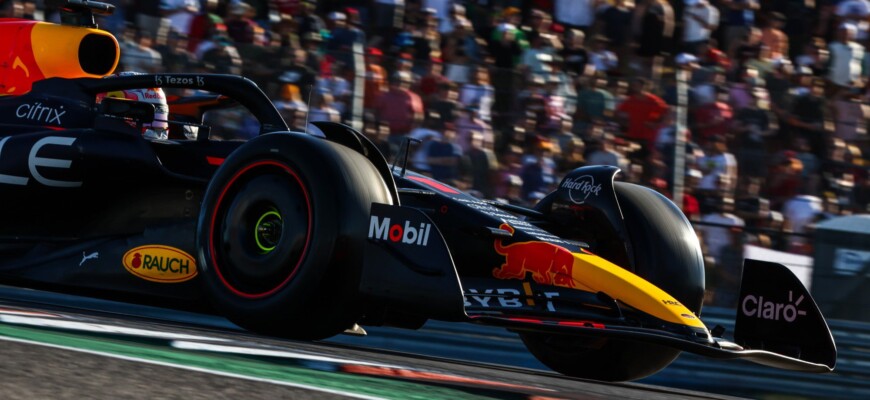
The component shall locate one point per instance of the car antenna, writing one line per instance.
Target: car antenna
(407, 146)
(81, 12)
(308, 107)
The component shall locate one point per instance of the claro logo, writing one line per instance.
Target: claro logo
(158, 263)
(380, 228)
(758, 307)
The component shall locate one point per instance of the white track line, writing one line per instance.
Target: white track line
(217, 348)
(196, 369)
(100, 328)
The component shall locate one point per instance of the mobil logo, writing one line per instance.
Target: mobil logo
(548, 263)
(159, 263)
(383, 228)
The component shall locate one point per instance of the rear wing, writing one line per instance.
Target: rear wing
(777, 314)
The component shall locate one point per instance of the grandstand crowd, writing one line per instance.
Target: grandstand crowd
(503, 97)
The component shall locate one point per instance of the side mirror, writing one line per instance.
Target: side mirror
(138, 111)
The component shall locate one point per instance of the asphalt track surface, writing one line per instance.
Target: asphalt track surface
(61, 347)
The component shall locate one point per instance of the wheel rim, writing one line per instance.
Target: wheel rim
(260, 229)
(267, 232)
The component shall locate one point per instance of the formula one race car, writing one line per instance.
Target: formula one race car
(299, 236)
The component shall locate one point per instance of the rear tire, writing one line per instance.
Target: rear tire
(666, 253)
(280, 235)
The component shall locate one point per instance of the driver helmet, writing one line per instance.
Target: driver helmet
(159, 127)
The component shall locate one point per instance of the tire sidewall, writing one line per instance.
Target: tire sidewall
(309, 159)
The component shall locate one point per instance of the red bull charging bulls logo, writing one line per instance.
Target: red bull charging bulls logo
(548, 263)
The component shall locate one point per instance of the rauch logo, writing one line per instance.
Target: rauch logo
(380, 228)
(158, 263)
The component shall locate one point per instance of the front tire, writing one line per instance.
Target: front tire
(280, 235)
(667, 254)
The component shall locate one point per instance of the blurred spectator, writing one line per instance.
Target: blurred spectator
(700, 19)
(748, 50)
(594, 101)
(784, 179)
(483, 163)
(343, 36)
(602, 152)
(748, 84)
(850, 113)
(174, 53)
(180, 13)
(379, 133)
(600, 57)
(655, 31)
(539, 171)
(710, 55)
(563, 84)
(778, 85)
(323, 109)
(148, 17)
(336, 85)
(753, 126)
(643, 111)
(307, 21)
(847, 57)
(376, 78)
(506, 48)
(241, 27)
(533, 99)
(203, 25)
(814, 56)
(712, 118)
(479, 93)
(312, 45)
(799, 212)
(856, 13)
(576, 14)
(807, 115)
(136, 52)
(539, 26)
(444, 157)
(427, 133)
(739, 16)
(426, 41)
(295, 72)
(446, 13)
(573, 155)
(716, 226)
(468, 122)
(615, 24)
(690, 203)
(719, 167)
(222, 58)
(574, 54)
(810, 165)
(459, 49)
(445, 104)
(555, 106)
(534, 59)
(729, 270)
(400, 108)
(387, 16)
(290, 98)
(431, 80)
(772, 35)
